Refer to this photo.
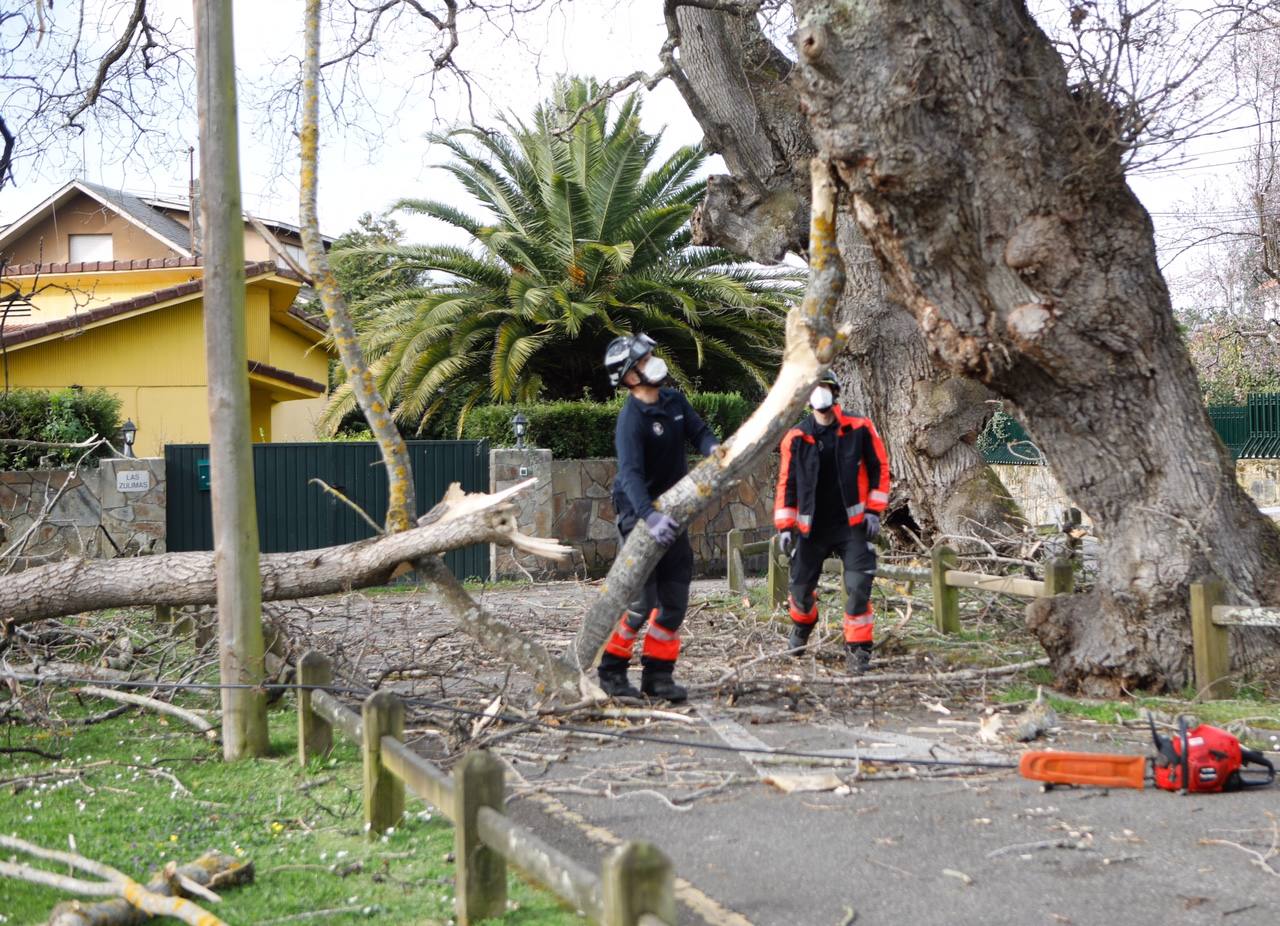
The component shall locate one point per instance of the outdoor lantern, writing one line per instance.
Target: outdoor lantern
(129, 432)
(520, 424)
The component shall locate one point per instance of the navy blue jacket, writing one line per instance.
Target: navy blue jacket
(650, 440)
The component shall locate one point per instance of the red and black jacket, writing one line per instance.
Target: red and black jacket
(861, 462)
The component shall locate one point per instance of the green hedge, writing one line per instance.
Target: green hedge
(581, 430)
(63, 416)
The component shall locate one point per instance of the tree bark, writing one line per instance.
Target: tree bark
(812, 341)
(994, 197)
(746, 96)
(235, 519)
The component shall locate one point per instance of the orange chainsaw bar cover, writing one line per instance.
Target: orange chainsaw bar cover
(1084, 768)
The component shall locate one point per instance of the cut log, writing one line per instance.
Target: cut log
(74, 586)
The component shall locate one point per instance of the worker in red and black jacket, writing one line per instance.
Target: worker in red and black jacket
(832, 488)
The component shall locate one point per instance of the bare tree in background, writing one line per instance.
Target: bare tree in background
(115, 74)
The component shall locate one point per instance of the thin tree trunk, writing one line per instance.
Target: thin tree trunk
(994, 196)
(235, 523)
(812, 341)
(745, 95)
(401, 505)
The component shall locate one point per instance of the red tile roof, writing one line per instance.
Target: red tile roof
(293, 379)
(107, 266)
(22, 333)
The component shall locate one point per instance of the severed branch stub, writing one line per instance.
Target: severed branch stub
(812, 341)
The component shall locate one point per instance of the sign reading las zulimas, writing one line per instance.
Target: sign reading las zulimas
(133, 480)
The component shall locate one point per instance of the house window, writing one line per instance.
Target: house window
(89, 248)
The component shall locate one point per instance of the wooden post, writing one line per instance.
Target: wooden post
(1059, 578)
(235, 518)
(315, 734)
(637, 879)
(164, 614)
(946, 600)
(480, 888)
(779, 573)
(204, 627)
(1210, 644)
(733, 561)
(382, 715)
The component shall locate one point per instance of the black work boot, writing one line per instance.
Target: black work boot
(613, 677)
(656, 681)
(799, 638)
(857, 658)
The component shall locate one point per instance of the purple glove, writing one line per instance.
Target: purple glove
(664, 529)
(787, 541)
(873, 525)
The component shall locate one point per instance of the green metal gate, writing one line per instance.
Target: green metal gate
(295, 514)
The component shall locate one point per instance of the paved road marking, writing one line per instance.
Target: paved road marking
(711, 910)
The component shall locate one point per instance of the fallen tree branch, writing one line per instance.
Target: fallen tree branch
(812, 341)
(136, 902)
(152, 704)
(78, 585)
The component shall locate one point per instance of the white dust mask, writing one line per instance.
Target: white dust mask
(655, 371)
(821, 398)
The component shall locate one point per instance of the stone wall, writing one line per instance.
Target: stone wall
(115, 509)
(575, 507)
(1261, 479)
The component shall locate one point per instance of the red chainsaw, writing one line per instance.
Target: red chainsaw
(1200, 760)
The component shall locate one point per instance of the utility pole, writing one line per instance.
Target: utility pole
(235, 523)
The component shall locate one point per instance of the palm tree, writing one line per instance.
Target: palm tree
(585, 239)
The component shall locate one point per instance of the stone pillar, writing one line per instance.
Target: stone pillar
(508, 467)
(133, 503)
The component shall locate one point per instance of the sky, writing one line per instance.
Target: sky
(369, 168)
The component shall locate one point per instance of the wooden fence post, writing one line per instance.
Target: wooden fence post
(480, 888)
(382, 714)
(1210, 644)
(637, 879)
(779, 569)
(733, 564)
(946, 600)
(1059, 578)
(315, 734)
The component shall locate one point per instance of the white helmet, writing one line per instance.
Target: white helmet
(623, 353)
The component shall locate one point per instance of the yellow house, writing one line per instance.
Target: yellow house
(106, 289)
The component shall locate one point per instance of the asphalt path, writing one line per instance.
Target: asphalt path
(972, 848)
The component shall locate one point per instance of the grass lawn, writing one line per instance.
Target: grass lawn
(139, 790)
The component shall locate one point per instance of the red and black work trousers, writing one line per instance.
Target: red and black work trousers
(858, 554)
(662, 602)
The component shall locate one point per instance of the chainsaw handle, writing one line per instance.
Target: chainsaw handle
(1255, 757)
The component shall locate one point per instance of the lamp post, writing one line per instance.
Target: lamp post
(520, 424)
(129, 431)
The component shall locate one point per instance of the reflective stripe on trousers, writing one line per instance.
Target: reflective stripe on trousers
(661, 643)
(858, 627)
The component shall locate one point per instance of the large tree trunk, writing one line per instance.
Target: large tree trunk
(995, 199)
(743, 92)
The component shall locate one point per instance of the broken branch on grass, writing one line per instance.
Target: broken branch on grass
(151, 704)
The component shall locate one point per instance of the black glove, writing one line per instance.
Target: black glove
(873, 525)
(663, 528)
(787, 541)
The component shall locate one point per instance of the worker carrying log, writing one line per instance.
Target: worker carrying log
(833, 486)
(654, 427)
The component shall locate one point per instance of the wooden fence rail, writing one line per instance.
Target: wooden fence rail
(1211, 622)
(636, 883)
(945, 580)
